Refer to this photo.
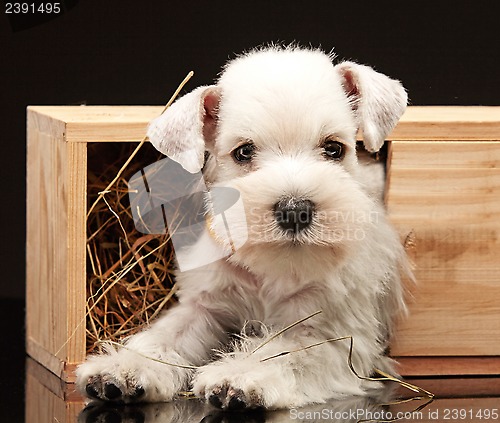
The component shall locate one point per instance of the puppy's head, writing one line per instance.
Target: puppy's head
(280, 126)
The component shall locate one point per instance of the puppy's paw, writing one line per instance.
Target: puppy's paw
(109, 388)
(114, 377)
(127, 377)
(239, 385)
(227, 397)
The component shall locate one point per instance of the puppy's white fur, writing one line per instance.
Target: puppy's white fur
(347, 263)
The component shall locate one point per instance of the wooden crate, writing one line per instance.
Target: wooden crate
(443, 188)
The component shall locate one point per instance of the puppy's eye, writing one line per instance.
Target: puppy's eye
(244, 153)
(333, 149)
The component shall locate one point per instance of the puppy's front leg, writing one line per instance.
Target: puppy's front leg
(183, 337)
(248, 379)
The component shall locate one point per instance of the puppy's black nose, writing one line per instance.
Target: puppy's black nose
(293, 214)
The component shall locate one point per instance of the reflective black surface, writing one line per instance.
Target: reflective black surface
(12, 360)
(346, 411)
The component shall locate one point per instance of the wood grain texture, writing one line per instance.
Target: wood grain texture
(448, 196)
(101, 123)
(447, 154)
(65, 391)
(448, 366)
(128, 123)
(448, 123)
(456, 387)
(56, 240)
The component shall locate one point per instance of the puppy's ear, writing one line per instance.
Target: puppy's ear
(377, 101)
(187, 128)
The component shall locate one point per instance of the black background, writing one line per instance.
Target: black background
(136, 52)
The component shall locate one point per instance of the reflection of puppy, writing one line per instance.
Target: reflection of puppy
(347, 410)
(280, 127)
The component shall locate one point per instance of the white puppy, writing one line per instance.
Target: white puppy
(280, 126)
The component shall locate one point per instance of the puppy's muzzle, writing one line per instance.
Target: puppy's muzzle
(293, 214)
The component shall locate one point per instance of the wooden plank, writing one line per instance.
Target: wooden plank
(128, 123)
(429, 186)
(461, 275)
(43, 356)
(46, 259)
(76, 241)
(448, 366)
(456, 387)
(470, 327)
(448, 123)
(112, 115)
(446, 154)
(102, 123)
(56, 240)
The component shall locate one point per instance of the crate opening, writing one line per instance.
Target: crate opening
(129, 273)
